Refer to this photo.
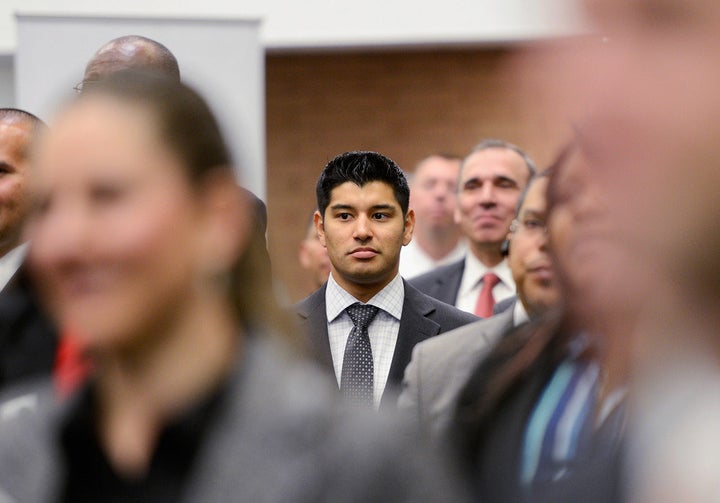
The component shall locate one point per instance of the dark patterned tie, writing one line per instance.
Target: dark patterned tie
(356, 382)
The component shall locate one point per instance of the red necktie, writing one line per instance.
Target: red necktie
(485, 301)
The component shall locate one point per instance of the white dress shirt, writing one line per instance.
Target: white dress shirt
(414, 261)
(383, 330)
(10, 263)
(471, 283)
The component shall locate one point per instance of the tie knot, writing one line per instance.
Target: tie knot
(490, 279)
(362, 314)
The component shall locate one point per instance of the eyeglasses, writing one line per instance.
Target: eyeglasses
(531, 226)
(83, 85)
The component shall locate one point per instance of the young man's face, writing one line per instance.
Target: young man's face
(364, 229)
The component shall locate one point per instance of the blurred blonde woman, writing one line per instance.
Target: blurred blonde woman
(141, 246)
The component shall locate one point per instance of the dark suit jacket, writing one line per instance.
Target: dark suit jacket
(442, 283)
(441, 366)
(28, 339)
(499, 436)
(422, 317)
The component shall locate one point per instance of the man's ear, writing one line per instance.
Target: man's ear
(319, 227)
(409, 227)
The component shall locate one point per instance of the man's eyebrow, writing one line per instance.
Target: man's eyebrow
(341, 207)
(529, 212)
(503, 178)
(383, 207)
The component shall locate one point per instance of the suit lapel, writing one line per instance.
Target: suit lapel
(449, 284)
(415, 326)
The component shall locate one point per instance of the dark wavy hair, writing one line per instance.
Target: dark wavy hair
(360, 168)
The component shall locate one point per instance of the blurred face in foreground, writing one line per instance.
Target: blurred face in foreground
(654, 125)
(119, 234)
(529, 257)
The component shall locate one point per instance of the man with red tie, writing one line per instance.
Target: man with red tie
(491, 180)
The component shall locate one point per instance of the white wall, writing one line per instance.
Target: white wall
(7, 83)
(292, 24)
(233, 81)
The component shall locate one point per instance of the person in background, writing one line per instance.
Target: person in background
(363, 323)
(542, 416)
(313, 257)
(138, 234)
(651, 119)
(441, 366)
(433, 196)
(28, 339)
(491, 180)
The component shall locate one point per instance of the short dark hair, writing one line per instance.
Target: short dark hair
(360, 168)
(490, 143)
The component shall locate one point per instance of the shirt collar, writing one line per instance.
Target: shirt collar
(389, 299)
(10, 263)
(520, 315)
(475, 270)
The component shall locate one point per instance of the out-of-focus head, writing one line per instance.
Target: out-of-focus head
(529, 258)
(602, 277)
(17, 130)
(137, 214)
(314, 256)
(491, 180)
(652, 125)
(130, 52)
(363, 219)
(433, 191)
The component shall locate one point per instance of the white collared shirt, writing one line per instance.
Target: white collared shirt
(414, 261)
(11, 262)
(520, 315)
(383, 330)
(471, 283)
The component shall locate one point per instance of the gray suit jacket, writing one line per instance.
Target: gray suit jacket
(281, 435)
(442, 283)
(440, 368)
(422, 317)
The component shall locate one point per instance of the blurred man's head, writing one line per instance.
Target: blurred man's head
(314, 256)
(433, 193)
(491, 180)
(529, 258)
(17, 128)
(130, 52)
(653, 128)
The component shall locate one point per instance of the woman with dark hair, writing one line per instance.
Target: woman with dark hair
(541, 418)
(141, 246)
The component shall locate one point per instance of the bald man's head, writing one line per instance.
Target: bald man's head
(131, 52)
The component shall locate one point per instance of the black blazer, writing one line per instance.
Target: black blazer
(422, 317)
(442, 283)
(28, 339)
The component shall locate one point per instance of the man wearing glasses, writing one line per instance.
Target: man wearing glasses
(441, 366)
(491, 180)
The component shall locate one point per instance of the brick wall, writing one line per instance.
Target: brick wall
(405, 105)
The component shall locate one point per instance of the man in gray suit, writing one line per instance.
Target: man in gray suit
(440, 367)
(492, 178)
(363, 220)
